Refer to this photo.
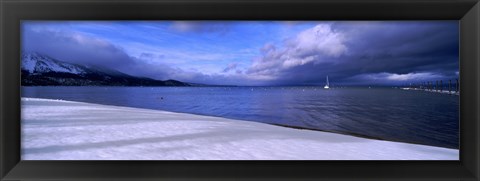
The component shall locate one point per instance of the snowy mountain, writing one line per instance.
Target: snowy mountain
(37, 63)
(42, 70)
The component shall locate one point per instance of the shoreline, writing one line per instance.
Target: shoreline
(456, 93)
(274, 124)
(189, 122)
(354, 134)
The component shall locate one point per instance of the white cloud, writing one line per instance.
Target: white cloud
(384, 76)
(412, 76)
(318, 44)
(200, 27)
(320, 39)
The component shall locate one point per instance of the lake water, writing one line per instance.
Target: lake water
(387, 113)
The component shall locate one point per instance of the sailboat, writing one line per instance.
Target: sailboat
(327, 86)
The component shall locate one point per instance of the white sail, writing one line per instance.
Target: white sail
(327, 86)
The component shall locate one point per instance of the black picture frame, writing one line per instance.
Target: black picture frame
(13, 11)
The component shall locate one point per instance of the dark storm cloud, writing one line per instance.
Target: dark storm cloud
(75, 48)
(231, 66)
(401, 47)
(85, 50)
(364, 53)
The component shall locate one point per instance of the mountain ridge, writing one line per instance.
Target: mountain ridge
(41, 70)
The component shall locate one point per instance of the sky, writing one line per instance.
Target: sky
(257, 53)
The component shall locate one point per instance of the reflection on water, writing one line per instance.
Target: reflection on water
(391, 114)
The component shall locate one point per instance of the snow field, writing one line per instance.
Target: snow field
(66, 130)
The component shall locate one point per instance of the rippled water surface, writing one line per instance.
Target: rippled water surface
(386, 113)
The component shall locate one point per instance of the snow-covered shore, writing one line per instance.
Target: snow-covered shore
(66, 130)
(434, 91)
